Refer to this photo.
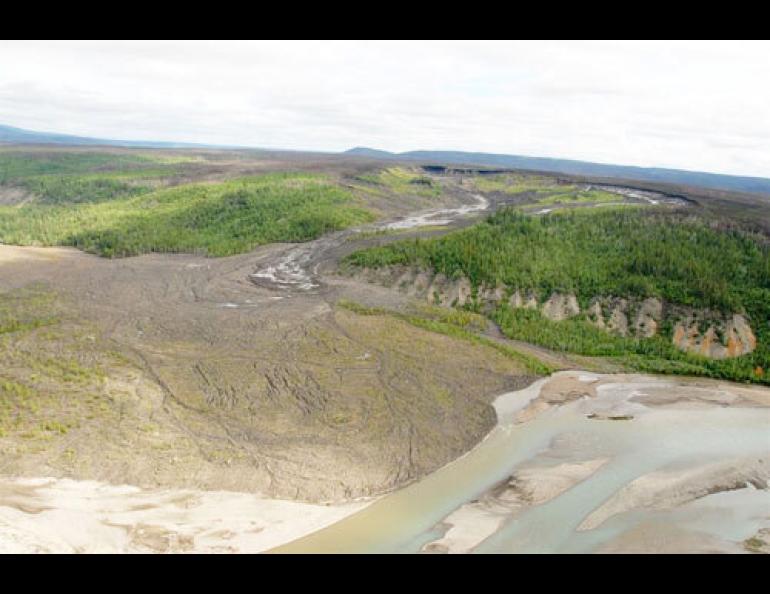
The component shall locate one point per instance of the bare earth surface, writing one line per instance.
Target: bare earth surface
(230, 381)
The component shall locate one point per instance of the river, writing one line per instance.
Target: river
(680, 439)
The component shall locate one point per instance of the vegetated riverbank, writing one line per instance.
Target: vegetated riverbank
(711, 269)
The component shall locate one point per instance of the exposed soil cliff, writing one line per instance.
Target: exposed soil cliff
(707, 333)
(722, 339)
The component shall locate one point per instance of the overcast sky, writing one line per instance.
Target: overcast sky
(691, 105)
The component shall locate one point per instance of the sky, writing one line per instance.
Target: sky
(690, 105)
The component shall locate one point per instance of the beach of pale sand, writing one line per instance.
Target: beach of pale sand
(67, 516)
(669, 488)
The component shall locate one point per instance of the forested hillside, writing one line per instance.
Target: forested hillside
(681, 258)
(215, 219)
(127, 204)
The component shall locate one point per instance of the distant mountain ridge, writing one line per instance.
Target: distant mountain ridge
(9, 134)
(718, 181)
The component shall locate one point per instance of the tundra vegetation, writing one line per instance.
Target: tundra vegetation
(514, 183)
(681, 258)
(51, 370)
(402, 181)
(529, 191)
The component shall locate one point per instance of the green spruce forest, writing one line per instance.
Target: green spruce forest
(116, 207)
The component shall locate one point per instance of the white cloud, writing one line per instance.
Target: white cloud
(692, 105)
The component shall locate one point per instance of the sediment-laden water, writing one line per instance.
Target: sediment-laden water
(670, 434)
